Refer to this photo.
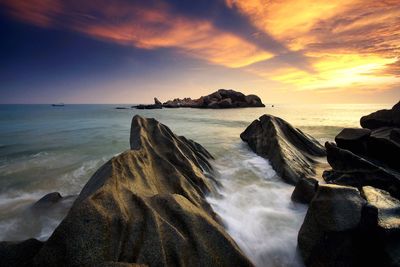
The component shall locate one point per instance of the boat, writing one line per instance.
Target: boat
(58, 105)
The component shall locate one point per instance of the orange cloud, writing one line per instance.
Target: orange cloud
(351, 44)
(143, 27)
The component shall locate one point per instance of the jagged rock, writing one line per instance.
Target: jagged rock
(47, 200)
(222, 98)
(384, 147)
(382, 225)
(19, 253)
(305, 190)
(145, 206)
(157, 102)
(382, 118)
(353, 139)
(351, 169)
(292, 153)
(388, 208)
(327, 236)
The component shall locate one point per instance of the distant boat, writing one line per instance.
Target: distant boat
(58, 105)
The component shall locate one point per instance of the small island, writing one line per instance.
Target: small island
(221, 99)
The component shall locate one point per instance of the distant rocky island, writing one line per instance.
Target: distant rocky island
(223, 98)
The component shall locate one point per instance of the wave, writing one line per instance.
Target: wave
(256, 208)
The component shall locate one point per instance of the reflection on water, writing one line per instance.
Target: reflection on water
(45, 149)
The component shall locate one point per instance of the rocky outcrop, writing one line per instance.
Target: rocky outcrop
(222, 98)
(382, 118)
(362, 160)
(326, 237)
(344, 227)
(145, 206)
(293, 154)
(351, 169)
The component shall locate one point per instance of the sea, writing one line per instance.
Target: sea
(56, 149)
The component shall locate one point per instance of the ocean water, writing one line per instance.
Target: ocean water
(45, 149)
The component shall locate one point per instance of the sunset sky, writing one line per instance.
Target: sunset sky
(130, 51)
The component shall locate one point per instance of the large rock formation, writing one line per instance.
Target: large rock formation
(293, 154)
(145, 206)
(382, 118)
(222, 98)
(366, 161)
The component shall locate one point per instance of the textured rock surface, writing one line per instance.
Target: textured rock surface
(351, 169)
(353, 139)
(305, 190)
(326, 237)
(293, 154)
(223, 98)
(382, 118)
(145, 206)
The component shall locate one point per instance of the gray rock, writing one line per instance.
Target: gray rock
(327, 236)
(382, 118)
(351, 169)
(223, 98)
(353, 139)
(305, 190)
(292, 153)
(145, 206)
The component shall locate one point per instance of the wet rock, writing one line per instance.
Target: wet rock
(382, 118)
(351, 169)
(305, 190)
(353, 139)
(47, 201)
(383, 146)
(388, 208)
(145, 206)
(19, 253)
(292, 153)
(327, 236)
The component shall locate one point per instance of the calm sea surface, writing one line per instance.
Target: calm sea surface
(45, 149)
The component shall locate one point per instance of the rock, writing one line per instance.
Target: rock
(157, 102)
(380, 145)
(225, 103)
(388, 208)
(382, 216)
(383, 146)
(121, 108)
(254, 100)
(351, 169)
(327, 236)
(305, 190)
(145, 206)
(382, 118)
(293, 154)
(353, 139)
(222, 98)
(47, 201)
(19, 253)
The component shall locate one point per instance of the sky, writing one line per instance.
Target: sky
(285, 51)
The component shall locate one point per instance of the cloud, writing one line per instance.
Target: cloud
(307, 44)
(350, 44)
(147, 26)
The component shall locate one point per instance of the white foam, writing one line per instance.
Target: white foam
(256, 209)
